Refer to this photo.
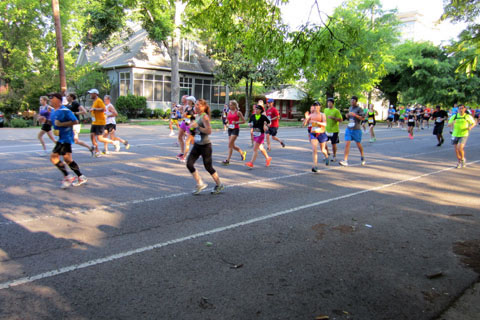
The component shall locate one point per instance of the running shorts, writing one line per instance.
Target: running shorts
(459, 140)
(184, 126)
(353, 135)
(110, 127)
(62, 148)
(321, 137)
(234, 132)
(272, 131)
(97, 129)
(333, 137)
(47, 126)
(438, 129)
(174, 121)
(259, 139)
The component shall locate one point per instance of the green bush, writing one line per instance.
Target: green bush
(121, 118)
(132, 106)
(167, 113)
(216, 113)
(158, 113)
(18, 123)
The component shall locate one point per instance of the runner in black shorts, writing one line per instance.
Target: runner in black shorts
(44, 118)
(439, 117)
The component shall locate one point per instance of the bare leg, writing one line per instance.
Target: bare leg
(181, 136)
(40, 137)
(360, 148)
(347, 150)
(314, 143)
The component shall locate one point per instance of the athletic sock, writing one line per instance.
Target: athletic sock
(61, 166)
(74, 166)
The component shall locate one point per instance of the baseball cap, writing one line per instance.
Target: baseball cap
(316, 103)
(191, 98)
(93, 91)
(355, 98)
(259, 107)
(269, 100)
(331, 99)
(56, 95)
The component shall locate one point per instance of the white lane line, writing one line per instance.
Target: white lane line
(52, 273)
(180, 194)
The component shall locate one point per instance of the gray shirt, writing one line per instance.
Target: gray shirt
(201, 138)
(353, 122)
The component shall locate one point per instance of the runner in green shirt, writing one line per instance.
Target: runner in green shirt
(462, 123)
(334, 117)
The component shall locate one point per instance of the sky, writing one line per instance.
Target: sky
(296, 13)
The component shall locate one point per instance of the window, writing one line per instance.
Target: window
(124, 83)
(154, 87)
(186, 50)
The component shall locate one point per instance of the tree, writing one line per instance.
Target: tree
(88, 76)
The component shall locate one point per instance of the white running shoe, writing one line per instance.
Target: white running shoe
(79, 181)
(171, 134)
(67, 182)
(343, 163)
(117, 145)
(200, 188)
(98, 154)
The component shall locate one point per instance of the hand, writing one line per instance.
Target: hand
(193, 124)
(58, 123)
(351, 114)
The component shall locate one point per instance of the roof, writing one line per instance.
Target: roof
(290, 93)
(139, 51)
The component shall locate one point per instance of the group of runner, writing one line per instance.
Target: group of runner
(192, 118)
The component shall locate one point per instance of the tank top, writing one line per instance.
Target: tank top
(233, 117)
(110, 120)
(45, 112)
(371, 116)
(200, 137)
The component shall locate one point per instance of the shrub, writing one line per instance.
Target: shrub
(158, 113)
(18, 123)
(121, 118)
(167, 113)
(132, 106)
(216, 113)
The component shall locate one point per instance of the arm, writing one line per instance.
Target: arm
(242, 119)
(114, 112)
(81, 110)
(206, 123)
(65, 124)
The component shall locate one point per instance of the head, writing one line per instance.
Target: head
(462, 109)
(184, 99)
(191, 100)
(312, 108)
(233, 105)
(370, 107)
(330, 102)
(107, 99)
(437, 108)
(270, 103)
(55, 100)
(317, 106)
(93, 94)
(43, 100)
(258, 109)
(71, 97)
(354, 101)
(201, 106)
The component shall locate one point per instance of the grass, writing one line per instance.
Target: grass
(216, 123)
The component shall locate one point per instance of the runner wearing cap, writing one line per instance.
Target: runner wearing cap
(201, 129)
(273, 116)
(317, 135)
(99, 121)
(334, 117)
(461, 123)
(78, 110)
(62, 120)
(234, 119)
(259, 124)
(353, 132)
(184, 132)
(44, 113)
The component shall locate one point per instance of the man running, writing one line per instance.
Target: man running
(174, 115)
(353, 132)
(439, 117)
(462, 123)
(334, 117)
(426, 117)
(111, 126)
(411, 120)
(98, 124)
(391, 116)
(318, 122)
(77, 110)
(184, 136)
(224, 117)
(273, 116)
(63, 119)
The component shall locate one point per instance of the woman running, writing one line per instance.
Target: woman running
(111, 126)
(201, 129)
(318, 135)
(372, 122)
(188, 116)
(234, 119)
(411, 120)
(259, 123)
(44, 118)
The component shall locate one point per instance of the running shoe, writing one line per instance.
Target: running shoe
(217, 189)
(244, 155)
(283, 144)
(98, 154)
(67, 182)
(410, 136)
(464, 163)
(334, 159)
(92, 151)
(459, 165)
(327, 161)
(314, 169)
(225, 162)
(127, 145)
(171, 134)
(249, 164)
(439, 144)
(117, 146)
(200, 188)
(343, 163)
(79, 181)
(268, 161)
(180, 156)
(105, 152)
(363, 161)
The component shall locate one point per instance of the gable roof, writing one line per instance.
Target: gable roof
(139, 51)
(289, 93)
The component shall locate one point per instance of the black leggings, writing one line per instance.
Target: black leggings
(201, 150)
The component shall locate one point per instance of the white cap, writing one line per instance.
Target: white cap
(191, 98)
(93, 91)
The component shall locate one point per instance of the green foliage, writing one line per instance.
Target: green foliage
(158, 113)
(121, 118)
(18, 123)
(132, 106)
(85, 77)
(167, 113)
(216, 113)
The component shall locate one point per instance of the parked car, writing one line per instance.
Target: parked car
(2, 119)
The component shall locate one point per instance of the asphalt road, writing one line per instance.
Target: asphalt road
(279, 243)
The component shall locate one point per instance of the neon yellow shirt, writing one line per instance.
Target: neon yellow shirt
(461, 124)
(332, 125)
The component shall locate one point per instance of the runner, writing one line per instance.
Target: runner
(98, 122)
(364, 122)
(426, 117)
(353, 132)
(371, 113)
(396, 116)
(391, 117)
(439, 117)
(78, 110)
(201, 129)
(306, 122)
(411, 120)
(334, 117)
(224, 117)
(259, 124)
(254, 112)
(477, 115)
(273, 116)
(318, 122)
(63, 119)
(44, 113)
(234, 119)
(401, 117)
(418, 116)
(174, 115)
(185, 139)
(461, 123)
(111, 126)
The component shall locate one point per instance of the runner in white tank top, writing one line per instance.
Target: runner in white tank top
(111, 126)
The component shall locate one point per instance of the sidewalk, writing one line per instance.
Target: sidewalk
(467, 307)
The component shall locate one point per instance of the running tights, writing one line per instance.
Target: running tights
(201, 150)
(74, 166)
(61, 166)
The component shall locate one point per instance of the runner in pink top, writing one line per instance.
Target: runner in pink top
(234, 119)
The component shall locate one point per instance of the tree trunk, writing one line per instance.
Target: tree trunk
(330, 91)
(369, 98)
(174, 52)
(58, 33)
(247, 101)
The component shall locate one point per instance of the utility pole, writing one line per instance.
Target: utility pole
(58, 33)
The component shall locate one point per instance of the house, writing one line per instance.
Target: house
(142, 67)
(287, 101)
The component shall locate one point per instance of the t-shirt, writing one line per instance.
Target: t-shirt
(332, 125)
(258, 124)
(402, 113)
(427, 113)
(391, 113)
(100, 119)
(353, 122)
(63, 114)
(440, 116)
(74, 106)
(272, 113)
(462, 123)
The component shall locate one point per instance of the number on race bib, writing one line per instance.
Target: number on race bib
(257, 134)
(198, 138)
(370, 120)
(231, 126)
(56, 132)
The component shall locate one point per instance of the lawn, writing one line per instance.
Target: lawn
(216, 123)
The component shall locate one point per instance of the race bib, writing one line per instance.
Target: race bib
(257, 134)
(198, 138)
(411, 120)
(56, 132)
(231, 126)
(187, 121)
(316, 130)
(269, 118)
(351, 124)
(329, 134)
(439, 120)
(370, 120)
